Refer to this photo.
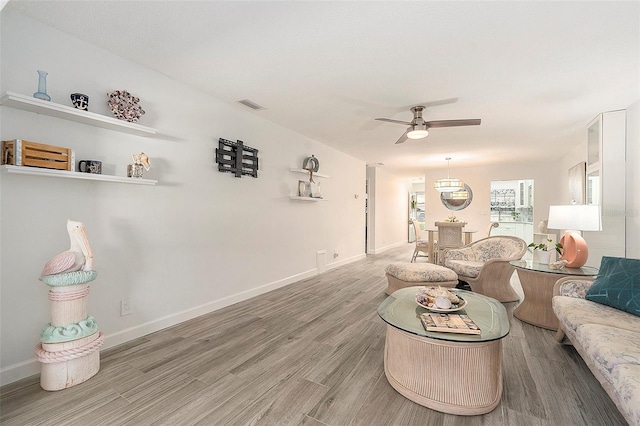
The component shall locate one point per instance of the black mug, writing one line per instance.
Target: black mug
(90, 166)
(80, 101)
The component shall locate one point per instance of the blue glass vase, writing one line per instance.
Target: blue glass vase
(42, 86)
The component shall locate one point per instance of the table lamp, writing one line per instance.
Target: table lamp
(574, 218)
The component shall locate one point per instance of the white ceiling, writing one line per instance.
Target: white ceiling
(535, 72)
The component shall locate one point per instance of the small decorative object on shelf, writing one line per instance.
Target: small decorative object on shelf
(304, 188)
(452, 219)
(315, 190)
(68, 348)
(236, 158)
(80, 101)
(90, 166)
(20, 152)
(311, 164)
(542, 226)
(141, 162)
(42, 86)
(124, 105)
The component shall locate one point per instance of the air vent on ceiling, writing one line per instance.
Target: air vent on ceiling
(251, 104)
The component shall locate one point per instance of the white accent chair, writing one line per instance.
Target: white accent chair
(484, 265)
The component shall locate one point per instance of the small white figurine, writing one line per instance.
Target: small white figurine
(78, 257)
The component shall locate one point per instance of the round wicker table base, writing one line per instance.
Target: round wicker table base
(463, 378)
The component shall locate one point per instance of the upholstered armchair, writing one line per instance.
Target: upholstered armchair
(484, 265)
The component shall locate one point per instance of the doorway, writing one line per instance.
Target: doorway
(416, 212)
(512, 208)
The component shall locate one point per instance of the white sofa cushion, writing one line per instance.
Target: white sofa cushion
(467, 268)
(420, 272)
(625, 380)
(609, 347)
(573, 312)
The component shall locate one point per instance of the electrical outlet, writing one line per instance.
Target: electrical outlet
(335, 254)
(125, 307)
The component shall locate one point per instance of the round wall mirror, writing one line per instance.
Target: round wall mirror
(457, 200)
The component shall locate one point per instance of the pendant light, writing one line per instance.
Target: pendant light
(458, 195)
(449, 184)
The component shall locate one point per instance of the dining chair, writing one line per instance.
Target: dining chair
(449, 236)
(422, 246)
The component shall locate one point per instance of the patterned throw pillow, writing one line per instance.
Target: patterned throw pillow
(617, 284)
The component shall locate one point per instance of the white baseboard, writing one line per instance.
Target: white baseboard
(343, 262)
(388, 247)
(24, 369)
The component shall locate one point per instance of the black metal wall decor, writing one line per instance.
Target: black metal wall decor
(236, 158)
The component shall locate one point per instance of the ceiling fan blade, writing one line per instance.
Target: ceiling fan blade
(404, 137)
(453, 123)
(426, 104)
(389, 120)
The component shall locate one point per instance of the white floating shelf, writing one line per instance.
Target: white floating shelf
(295, 197)
(39, 106)
(306, 172)
(24, 170)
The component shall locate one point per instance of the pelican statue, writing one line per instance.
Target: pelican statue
(78, 257)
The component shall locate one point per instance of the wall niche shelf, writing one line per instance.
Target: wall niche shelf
(24, 170)
(31, 104)
(296, 197)
(306, 172)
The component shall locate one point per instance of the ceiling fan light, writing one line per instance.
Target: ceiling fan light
(448, 185)
(419, 131)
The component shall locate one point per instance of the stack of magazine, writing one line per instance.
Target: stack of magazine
(449, 323)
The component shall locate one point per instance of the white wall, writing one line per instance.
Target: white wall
(388, 210)
(477, 214)
(197, 241)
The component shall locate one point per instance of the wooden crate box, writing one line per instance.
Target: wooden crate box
(20, 152)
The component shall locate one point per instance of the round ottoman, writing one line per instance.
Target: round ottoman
(401, 275)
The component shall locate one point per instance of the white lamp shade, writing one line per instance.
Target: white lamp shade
(448, 185)
(579, 217)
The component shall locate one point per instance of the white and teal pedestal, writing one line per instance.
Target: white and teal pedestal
(69, 344)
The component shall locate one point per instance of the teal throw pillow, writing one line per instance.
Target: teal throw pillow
(617, 284)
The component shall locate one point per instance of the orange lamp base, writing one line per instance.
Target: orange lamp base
(574, 249)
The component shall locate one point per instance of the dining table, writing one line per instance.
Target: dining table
(431, 239)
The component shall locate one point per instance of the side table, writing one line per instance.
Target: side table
(537, 280)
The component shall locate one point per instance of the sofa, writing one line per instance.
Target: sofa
(484, 265)
(606, 337)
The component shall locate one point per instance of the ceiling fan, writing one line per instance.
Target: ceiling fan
(418, 128)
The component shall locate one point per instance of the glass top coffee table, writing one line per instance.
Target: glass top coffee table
(449, 372)
(538, 280)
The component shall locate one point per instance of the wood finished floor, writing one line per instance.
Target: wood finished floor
(307, 354)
